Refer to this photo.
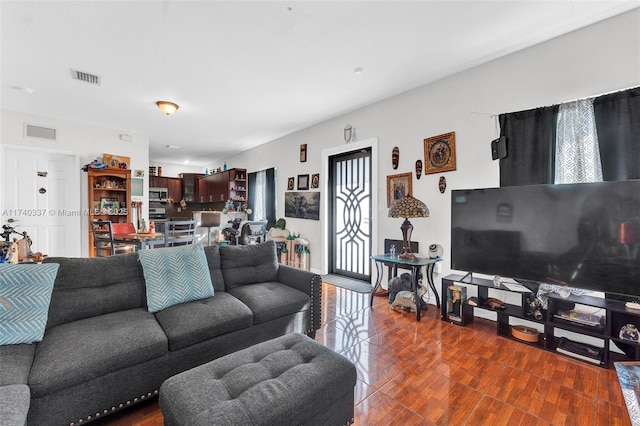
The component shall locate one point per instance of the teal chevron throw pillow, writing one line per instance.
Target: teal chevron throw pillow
(25, 294)
(175, 275)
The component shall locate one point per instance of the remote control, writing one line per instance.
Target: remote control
(633, 305)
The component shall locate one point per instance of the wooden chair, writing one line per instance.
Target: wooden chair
(103, 240)
(179, 232)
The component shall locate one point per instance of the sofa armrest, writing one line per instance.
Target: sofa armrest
(308, 283)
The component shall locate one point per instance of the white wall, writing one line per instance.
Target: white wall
(88, 141)
(173, 170)
(598, 59)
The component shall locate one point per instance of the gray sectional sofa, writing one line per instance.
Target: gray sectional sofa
(103, 351)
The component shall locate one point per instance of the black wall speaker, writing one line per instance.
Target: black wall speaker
(499, 148)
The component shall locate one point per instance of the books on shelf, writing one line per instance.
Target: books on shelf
(456, 296)
(581, 317)
(581, 351)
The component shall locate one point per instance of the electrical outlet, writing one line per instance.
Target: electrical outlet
(179, 209)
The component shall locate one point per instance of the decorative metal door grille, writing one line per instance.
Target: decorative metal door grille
(350, 183)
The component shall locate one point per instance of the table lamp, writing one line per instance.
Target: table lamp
(407, 207)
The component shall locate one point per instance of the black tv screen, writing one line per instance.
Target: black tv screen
(582, 235)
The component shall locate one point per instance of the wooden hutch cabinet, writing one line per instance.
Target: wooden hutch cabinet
(109, 198)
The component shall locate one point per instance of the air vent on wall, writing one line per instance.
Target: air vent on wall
(31, 131)
(86, 77)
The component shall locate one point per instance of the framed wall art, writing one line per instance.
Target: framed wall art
(302, 205)
(290, 183)
(440, 153)
(398, 186)
(303, 182)
(315, 180)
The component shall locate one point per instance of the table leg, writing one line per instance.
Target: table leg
(430, 269)
(377, 284)
(414, 283)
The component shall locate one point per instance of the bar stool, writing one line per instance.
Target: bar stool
(209, 220)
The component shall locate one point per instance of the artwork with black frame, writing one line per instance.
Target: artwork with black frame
(302, 205)
(303, 182)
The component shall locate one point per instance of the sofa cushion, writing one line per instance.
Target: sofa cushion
(193, 322)
(78, 351)
(270, 300)
(88, 287)
(249, 264)
(175, 275)
(15, 363)
(213, 260)
(25, 293)
(14, 404)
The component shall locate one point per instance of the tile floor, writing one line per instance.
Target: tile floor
(434, 373)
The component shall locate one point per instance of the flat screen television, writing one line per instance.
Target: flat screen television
(581, 235)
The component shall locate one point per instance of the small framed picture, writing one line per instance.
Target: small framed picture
(303, 152)
(303, 182)
(315, 180)
(290, 183)
(398, 186)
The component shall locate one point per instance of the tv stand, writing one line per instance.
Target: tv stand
(615, 316)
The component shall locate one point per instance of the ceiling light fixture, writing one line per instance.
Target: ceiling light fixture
(167, 107)
(358, 71)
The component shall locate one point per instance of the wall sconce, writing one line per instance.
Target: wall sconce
(167, 107)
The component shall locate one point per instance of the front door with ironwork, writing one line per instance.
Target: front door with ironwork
(350, 186)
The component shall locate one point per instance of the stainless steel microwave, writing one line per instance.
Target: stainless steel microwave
(158, 194)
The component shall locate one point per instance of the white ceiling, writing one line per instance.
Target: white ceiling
(245, 73)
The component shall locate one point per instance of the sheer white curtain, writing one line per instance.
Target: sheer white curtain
(577, 152)
(260, 204)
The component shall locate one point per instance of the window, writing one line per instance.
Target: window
(262, 196)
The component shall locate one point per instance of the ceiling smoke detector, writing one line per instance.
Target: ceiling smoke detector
(172, 146)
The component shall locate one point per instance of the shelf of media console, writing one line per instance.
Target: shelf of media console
(613, 311)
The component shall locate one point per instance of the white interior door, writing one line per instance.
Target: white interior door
(41, 192)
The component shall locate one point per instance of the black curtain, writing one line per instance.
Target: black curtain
(270, 195)
(251, 190)
(531, 144)
(618, 126)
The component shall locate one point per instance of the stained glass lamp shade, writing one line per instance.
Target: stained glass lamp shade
(408, 207)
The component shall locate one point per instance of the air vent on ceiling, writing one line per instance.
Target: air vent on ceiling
(86, 77)
(31, 131)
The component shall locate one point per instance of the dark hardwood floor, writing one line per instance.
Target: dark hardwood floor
(434, 373)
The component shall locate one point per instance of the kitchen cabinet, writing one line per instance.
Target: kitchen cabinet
(174, 185)
(223, 186)
(109, 198)
(190, 186)
(157, 182)
(175, 189)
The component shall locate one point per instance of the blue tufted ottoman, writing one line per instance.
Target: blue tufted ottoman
(290, 380)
